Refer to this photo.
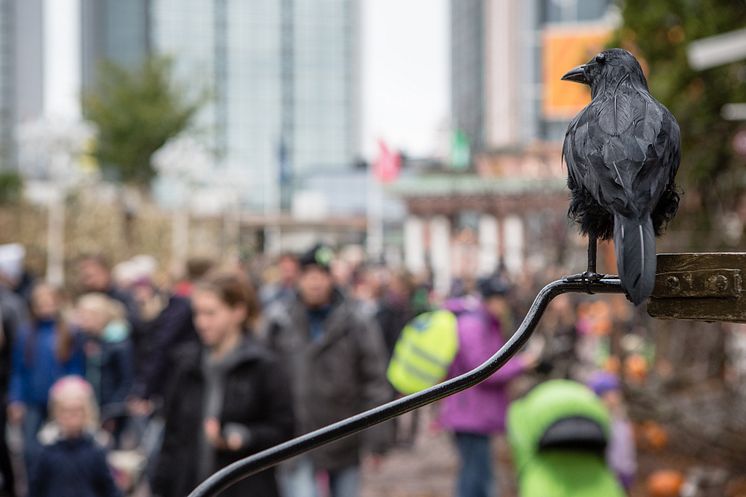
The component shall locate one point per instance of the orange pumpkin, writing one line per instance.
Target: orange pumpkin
(636, 368)
(665, 483)
(655, 436)
(613, 365)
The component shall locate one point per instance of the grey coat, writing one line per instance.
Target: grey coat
(340, 374)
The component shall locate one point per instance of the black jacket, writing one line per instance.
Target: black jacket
(169, 331)
(256, 395)
(12, 315)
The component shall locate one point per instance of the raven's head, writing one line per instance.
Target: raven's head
(607, 67)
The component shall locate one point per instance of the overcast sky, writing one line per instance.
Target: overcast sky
(405, 74)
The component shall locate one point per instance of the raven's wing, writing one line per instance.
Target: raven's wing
(668, 144)
(576, 137)
(662, 154)
(628, 151)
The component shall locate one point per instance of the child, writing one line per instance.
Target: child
(73, 465)
(109, 362)
(44, 352)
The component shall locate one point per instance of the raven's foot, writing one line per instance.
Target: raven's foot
(587, 277)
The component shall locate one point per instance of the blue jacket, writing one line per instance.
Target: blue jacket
(72, 468)
(35, 370)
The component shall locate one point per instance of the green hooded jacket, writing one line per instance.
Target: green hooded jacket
(559, 471)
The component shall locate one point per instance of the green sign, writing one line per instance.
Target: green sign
(460, 150)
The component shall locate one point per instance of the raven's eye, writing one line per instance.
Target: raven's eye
(601, 58)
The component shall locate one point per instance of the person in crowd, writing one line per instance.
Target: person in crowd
(45, 350)
(337, 360)
(151, 302)
(366, 287)
(196, 269)
(162, 335)
(9, 324)
(72, 464)
(422, 295)
(109, 362)
(12, 302)
(558, 432)
(287, 278)
(14, 275)
(478, 413)
(559, 326)
(94, 276)
(229, 398)
(620, 452)
(13, 314)
(395, 308)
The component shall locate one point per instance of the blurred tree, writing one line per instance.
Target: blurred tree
(135, 113)
(711, 174)
(11, 186)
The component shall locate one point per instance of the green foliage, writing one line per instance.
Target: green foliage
(659, 31)
(135, 113)
(11, 187)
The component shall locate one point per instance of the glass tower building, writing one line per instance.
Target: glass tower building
(114, 31)
(497, 71)
(7, 85)
(282, 80)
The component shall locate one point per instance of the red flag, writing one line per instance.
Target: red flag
(387, 164)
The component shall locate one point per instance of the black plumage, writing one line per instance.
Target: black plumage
(622, 153)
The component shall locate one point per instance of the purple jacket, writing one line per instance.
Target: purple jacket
(479, 409)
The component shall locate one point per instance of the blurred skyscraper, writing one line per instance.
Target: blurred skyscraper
(116, 31)
(510, 107)
(502, 55)
(467, 68)
(283, 80)
(21, 69)
(51, 49)
(7, 85)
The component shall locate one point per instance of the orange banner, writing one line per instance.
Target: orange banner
(563, 49)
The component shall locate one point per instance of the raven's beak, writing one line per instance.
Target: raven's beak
(577, 74)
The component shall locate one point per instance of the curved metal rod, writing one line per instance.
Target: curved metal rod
(270, 457)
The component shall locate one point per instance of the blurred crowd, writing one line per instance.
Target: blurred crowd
(128, 383)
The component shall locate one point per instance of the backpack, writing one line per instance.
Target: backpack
(424, 351)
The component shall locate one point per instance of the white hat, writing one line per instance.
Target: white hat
(11, 260)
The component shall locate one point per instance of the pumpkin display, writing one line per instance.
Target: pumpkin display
(636, 368)
(654, 436)
(665, 483)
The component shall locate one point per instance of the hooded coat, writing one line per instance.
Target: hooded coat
(480, 409)
(339, 373)
(557, 471)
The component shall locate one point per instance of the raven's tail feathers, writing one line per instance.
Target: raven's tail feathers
(634, 244)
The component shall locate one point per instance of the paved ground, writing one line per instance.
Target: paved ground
(428, 469)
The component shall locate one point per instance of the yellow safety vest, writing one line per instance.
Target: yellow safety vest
(424, 352)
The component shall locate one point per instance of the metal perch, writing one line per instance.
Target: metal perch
(270, 457)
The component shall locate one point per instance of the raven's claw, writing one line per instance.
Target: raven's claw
(586, 277)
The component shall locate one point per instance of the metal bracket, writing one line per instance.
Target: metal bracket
(706, 283)
(274, 455)
(703, 287)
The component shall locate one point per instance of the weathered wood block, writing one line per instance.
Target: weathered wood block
(700, 286)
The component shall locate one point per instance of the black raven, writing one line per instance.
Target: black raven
(622, 153)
